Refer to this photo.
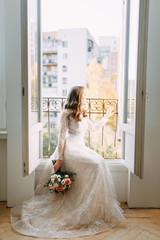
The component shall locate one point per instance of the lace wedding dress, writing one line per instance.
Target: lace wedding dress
(90, 206)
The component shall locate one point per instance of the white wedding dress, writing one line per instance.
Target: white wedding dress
(90, 206)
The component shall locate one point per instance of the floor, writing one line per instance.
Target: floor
(140, 224)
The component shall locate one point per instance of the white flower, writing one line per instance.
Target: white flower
(59, 176)
(54, 176)
(59, 179)
(52, 180)
(66, 176)
(50, 184)
(63, 182)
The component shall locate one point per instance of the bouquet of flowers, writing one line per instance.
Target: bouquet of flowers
(60, 181)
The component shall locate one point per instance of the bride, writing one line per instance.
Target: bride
(90, 206)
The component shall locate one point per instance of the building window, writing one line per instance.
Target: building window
(64, 92)
(52, 125)
(90, 45)
(64, 68)
(50, 79)
(53, 58)
(54, 79)
(64, 80)
(53, 114)
(65, 44)
(54, 69)
(45, 69)
(115, 54)
(50, 85)
(44, 80)
(64, 56)
(54, 43)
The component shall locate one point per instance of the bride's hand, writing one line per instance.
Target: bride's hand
(58, 165)
(109, 112)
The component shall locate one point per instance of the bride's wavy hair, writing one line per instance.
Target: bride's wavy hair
(74, 102)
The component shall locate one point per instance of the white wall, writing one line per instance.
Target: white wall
(3, 132)
(2, 70)
(19, 188)
(146, 192)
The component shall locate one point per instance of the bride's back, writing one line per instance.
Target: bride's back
(74, 127)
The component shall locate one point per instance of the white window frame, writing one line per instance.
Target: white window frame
(133, 135)
(32, 152)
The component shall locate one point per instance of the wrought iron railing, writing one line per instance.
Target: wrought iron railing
(96, 109)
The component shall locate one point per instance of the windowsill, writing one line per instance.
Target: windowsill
(114, 165)
(3, 134)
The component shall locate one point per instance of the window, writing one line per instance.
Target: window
(64, 81)
(50, 85)
(64, 92)
(135, 85)
(64, 56)
(54, 69)
(65, 44)
(129, 135)
(90, 45)
(53, 58)
(52, 125)
(53, 114)
(64, 68)
(50, 79)
(54, 79)
(45, 69)
(54, 43)
(32, 128)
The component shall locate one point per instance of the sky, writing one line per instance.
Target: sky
(100, 17)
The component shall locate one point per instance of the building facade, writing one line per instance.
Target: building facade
(66, 54)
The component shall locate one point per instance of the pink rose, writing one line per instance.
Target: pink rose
(67, 181)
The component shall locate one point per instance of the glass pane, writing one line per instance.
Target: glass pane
(34, 68)
(132, 66)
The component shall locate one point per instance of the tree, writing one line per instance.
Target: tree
(99, 85)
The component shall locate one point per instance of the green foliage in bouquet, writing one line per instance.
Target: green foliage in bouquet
(60, 181)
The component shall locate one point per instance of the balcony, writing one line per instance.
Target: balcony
(49, 49)
(49, 62)
(50, 73)
(104, 141)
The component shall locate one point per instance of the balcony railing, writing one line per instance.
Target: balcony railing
(104, 141)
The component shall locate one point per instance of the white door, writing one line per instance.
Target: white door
(31, 85)
(134, 85)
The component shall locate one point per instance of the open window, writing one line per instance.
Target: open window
(31, 85)
(134, 85)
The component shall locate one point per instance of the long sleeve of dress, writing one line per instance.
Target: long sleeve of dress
(95, 126)
(62, 133)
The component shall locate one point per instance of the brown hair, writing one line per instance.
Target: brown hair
(74, 102)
